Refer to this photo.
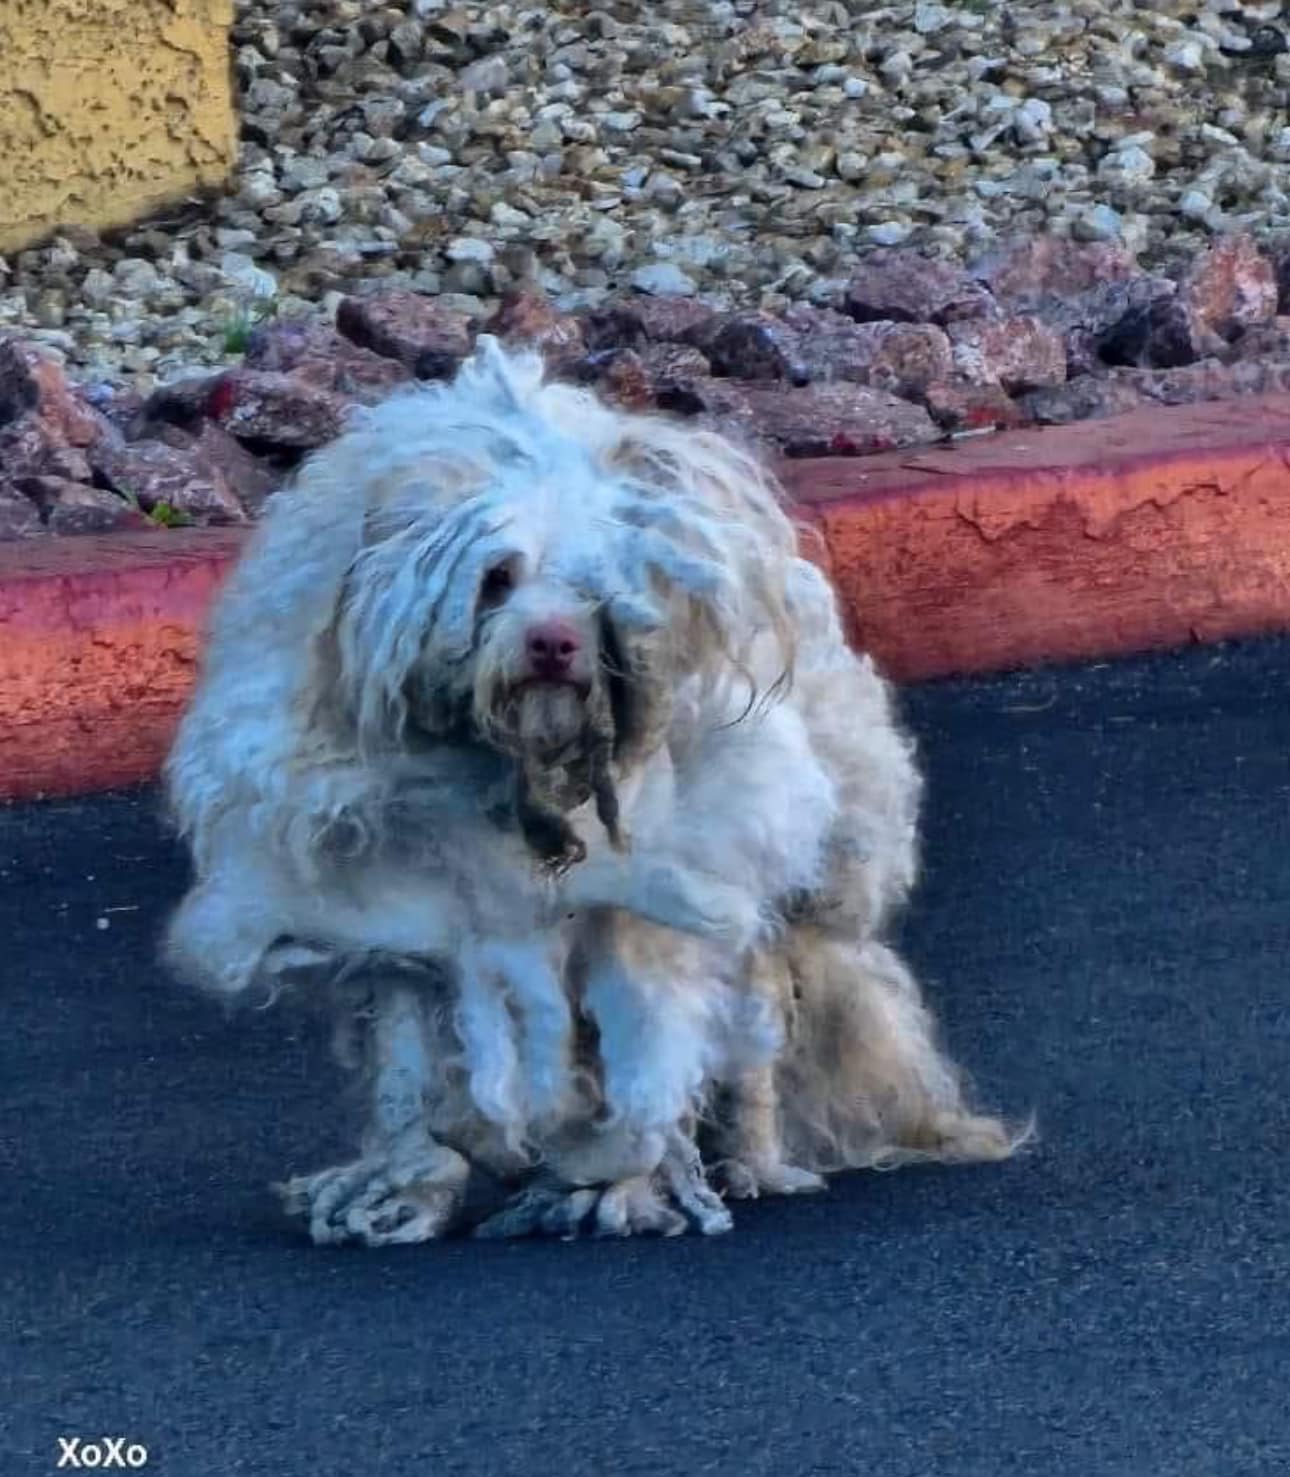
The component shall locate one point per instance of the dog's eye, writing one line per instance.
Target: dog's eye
(498, 584)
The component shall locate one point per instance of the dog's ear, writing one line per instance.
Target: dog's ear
(329, 707)
(639, 694)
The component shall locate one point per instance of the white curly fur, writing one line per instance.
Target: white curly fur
(625, 893)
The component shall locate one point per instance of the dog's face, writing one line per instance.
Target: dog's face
(536, 576)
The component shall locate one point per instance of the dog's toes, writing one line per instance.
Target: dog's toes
(683, 1174)
(523, 1215)
(411, 1195)
(565, 1218)
(742, 1179)
(633, 1207)
(404, 1217)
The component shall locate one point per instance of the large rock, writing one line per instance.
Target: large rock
(1264, 341)
(1163, 333)
(41, 413)
(1210, 380)
(1230, 287)
(1088, 318)
(1084, 399)
(317, 355)
(276, 410)
(528, 318)
(902, 286)
(957, 407)
(1018, 353)
(159, 476)
(903, 358)
(757, 346)
(1042, 266)
(19, 515)
(718, 404)
(835, 420)
(71, 508)
(425, 337)
(626, 323)
(813, 345)
(645, 377)
(252, 479)
(617, 375)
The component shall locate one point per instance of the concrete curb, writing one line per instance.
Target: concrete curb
(1153, 529)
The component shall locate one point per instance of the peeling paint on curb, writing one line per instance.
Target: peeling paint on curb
(1092, 540)
(1153, 529)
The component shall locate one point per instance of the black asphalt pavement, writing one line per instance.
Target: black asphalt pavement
(1105, 928)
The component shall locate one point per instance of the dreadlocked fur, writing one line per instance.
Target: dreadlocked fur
(585, 909)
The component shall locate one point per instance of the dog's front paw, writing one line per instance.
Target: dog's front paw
(747, 1179)
(413, 1193)
(642, 1205)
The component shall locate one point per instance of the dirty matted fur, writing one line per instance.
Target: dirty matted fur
(579, 926)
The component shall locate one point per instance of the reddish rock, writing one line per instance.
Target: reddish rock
(34, 392)
(1230, 287)
(19, 516)
(19, 389)
(183, 402)
(1018, 353)
(673, 364)
(901, 357)
(153, 473)
(118, 404)
(70, 508)
(1163, 333)
(958, 407)
(625, 323)
(1089, 318)
(529, 317)
(276, 410)
(719, 404)
(251, 478)
(642, 378)
(618, 375)
(1083, 399)
(45, 426)
(902, 286)
(1210, 380)
(836, 419)
(425, 337)
(1263, 341)
(1044, 266)
(317, 355)
(69, 462)
(757, 346)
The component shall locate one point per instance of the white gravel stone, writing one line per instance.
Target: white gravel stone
(745, 152)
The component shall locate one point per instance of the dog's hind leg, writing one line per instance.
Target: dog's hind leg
(405, 1186)
(743, 1138)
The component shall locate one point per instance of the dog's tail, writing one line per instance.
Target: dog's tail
(862, 1081)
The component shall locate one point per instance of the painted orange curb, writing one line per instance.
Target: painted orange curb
(98, 643)
(1153, 529)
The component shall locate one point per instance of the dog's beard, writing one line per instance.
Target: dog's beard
(562, 739)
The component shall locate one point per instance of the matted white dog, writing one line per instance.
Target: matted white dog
(525, 732)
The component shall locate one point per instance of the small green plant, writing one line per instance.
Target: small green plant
(160, 515)
(166, 515)
(238, 329)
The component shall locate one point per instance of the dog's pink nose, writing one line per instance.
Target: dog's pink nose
(552, 646)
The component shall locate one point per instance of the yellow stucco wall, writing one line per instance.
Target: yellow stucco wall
(109, 108)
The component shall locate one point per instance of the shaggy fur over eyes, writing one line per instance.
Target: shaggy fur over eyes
(526, 735)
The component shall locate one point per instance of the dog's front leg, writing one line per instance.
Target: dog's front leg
(635, 1168)
(405, 1186)
(655, 886)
